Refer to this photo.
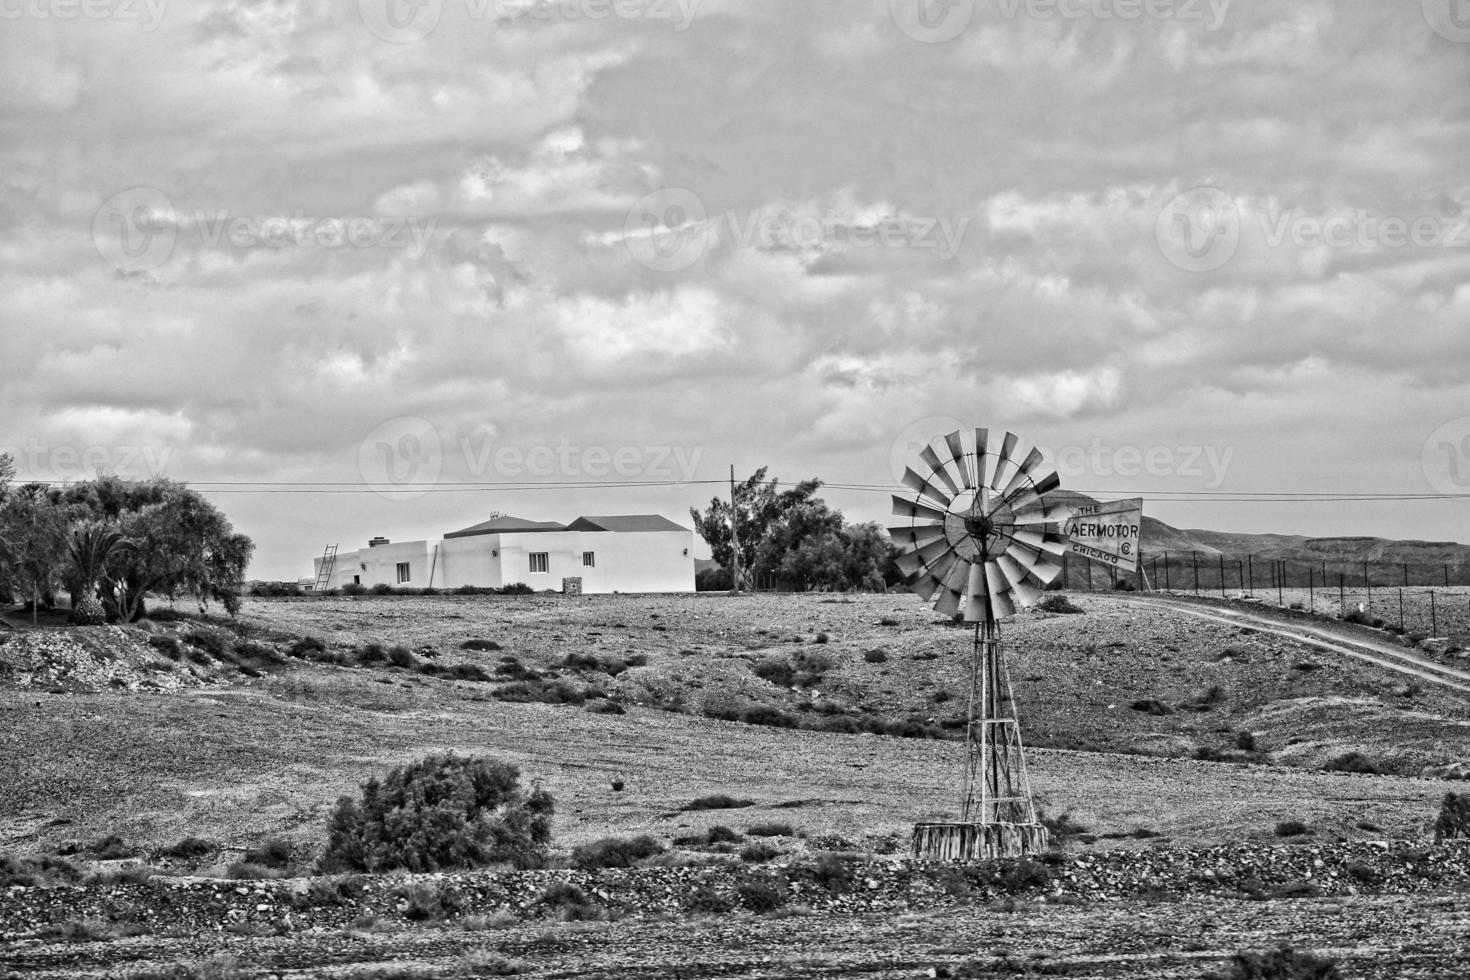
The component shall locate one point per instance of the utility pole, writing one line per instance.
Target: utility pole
(734, 538)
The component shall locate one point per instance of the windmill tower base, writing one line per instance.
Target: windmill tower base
(964, 843)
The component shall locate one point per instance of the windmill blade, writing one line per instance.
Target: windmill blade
(1046, 543)
(913, 536)
(1036, 493)
(910, 564)
(1024, 474)
(936, 466)
(1002, 458)
(958, 575)
(903, 507)
(949, 603)
(933, 552)
(944, 570)
(1019, 579)
(977, 609)
(1041, 566)
(982, 446)
(957, 453)
(1000, 600)
(924, 488)
(923, 585)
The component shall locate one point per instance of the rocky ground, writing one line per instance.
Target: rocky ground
(92, 750)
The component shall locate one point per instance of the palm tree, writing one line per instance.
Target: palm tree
(89, 549)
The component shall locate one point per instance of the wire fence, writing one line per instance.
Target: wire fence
(1431, 600)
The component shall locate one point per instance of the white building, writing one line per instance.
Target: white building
(630, 553)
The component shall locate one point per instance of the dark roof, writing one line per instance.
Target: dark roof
(625, 523)
(507, 525)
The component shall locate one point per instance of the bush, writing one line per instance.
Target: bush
(615, 852)
(1453, 822)
(706, 900)
(544, 692)
(1291, 828)
(169, 646)
(568, 903)
(480, 645)
(758, 852)
(467, 672)
(381, 588)
(441, 812)
(1055, 602)
(27, 872)
(487, 963)
(777, 672)
(605, 707)
(1279, 964)
(771, 830)
(401, 656)
(760, 893)
(189, 847)
(1246, 742)
(1152, 706)
(371, 653)
(274, 853)
(713, 580)
(216, 643)
(1353, 762)
(517, 588)
(111, 848)
(307, 647)
(717, 801)
(875, 657)
(354, 588)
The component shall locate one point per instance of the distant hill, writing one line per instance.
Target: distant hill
(1160, 537)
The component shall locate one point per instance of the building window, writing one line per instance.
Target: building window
(589, 559)
(538, 562)
(403, 572)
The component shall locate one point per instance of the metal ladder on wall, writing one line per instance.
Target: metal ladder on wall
(324, 574)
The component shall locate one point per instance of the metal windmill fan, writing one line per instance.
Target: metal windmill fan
(979, 544)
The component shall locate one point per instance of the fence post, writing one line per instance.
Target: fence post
(1312, 590)
(1341, 596)
(1368, 584)
(1222, 575)
(1195, 556)
(1406, 578)
(1433, 616)
(1250, 564)
(1281, 584)
(1401, 610)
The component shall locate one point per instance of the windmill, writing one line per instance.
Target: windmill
(979, 543)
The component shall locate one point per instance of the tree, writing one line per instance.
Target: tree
(758, 505)
(442, 812)
(32, 542)
(91, 549)
(180, 544)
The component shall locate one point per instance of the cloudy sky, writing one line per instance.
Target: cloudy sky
(1190, 247)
